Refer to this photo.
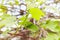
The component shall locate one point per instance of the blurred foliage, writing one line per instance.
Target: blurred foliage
(51, 25)
(7, 20)
(52, 36)
(16, 2)
(3, 8)
(32, 8)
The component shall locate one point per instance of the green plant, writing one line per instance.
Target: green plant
(40, 30)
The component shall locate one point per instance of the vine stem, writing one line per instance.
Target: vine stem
(21, 24)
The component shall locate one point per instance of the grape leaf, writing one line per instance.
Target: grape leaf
(36, 13)
(31, 26)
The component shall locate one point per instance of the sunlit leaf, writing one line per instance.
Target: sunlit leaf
(36, 13)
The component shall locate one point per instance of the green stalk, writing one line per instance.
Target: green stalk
(22, 23)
